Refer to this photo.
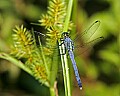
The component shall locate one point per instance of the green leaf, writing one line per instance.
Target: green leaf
(16, 62)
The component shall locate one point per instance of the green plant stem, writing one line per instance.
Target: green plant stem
(67, 19)
(44, 61)
(74, 16)
(16, 62)
(51, 88)
(67, 72)
(65, 66)
(52, 91)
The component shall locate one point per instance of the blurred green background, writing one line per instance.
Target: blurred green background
(99, 68)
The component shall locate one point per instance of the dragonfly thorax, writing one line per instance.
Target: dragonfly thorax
(67, 41)
(68, 44)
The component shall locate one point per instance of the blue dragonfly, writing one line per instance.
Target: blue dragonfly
(69, 47)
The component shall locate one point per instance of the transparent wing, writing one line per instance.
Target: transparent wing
(82, 48)
(83, 42)
(88, 33)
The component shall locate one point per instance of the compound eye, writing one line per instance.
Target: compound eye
(65, 34)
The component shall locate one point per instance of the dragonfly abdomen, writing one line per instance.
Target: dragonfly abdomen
(75, 69)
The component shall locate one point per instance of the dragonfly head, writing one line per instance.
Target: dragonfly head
(65, 34)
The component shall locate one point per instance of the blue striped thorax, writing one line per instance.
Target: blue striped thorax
(67, 41)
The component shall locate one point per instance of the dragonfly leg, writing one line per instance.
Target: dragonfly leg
(62, 47)
(62, 42)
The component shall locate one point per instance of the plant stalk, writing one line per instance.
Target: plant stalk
(16, 62)
(65, 66)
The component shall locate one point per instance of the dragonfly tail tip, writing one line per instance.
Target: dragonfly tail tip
(80, 88)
